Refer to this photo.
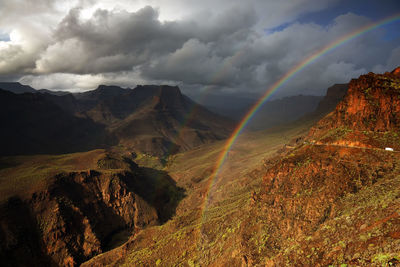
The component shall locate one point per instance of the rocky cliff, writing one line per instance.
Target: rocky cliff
(150, 119)
(368, 116)
(320, 203)
(33, 123)
(372, 103)
(78, 214)
(334, 95)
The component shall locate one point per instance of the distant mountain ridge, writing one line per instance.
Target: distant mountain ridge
(17, 88)
(33, 124)
(151, 119)
(285, 110)
(333, 96)
(271, 114)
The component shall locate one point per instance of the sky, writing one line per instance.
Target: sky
(225, 47)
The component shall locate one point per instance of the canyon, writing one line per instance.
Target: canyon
(318, 191)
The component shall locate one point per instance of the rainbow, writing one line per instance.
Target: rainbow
(300, 66)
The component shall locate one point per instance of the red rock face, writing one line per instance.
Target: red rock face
(75, 217)
(82, 210)
(396, 71)
(343, 154)
(372, 103)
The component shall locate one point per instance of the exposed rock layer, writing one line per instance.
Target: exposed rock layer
(309, 189)
(77, 214)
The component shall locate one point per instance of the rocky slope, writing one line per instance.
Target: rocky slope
(320, 204)
(315, 203)
(16, 87)
(33, 123)
(284, 111)
(333, 96)
(372, 103)
(156, 120)
(76, 215)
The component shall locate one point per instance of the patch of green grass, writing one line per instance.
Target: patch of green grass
(30, 173)
(382, 258)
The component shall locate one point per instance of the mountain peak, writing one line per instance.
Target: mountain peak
(108, 90)
(154, 89)
(16, 87)
(109, 87)
(370, 103)
(370, 109)
(396, 71)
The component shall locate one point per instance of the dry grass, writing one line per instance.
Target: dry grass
(200, 237)
(23, 175)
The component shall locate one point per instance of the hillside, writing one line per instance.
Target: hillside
(63, 210)
(16, 87)
(156, 120)
(313, 203)
(322, 203)
(272, 114)
(32, 124)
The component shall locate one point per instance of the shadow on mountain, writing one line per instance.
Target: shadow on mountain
(20, 242)
(31, 124)
(79, 215)
(157, 188)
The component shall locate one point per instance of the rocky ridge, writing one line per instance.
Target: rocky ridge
(78, 214)
(149, 119)
(305, 197)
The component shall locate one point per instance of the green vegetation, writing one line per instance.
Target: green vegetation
(33, 172)
(198, 238)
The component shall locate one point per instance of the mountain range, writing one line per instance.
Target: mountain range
(151, 119)
(272, 113)
(319, 191)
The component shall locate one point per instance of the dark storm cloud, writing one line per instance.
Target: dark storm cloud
(108, 42)
(116, 41)
(258, 60)
(229, 47)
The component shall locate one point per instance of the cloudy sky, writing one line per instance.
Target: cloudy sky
(214, 46)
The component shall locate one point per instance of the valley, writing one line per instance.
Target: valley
(181, 133)
(318, 191)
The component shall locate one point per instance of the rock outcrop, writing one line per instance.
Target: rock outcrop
(341, 160)
(150, 119)
(372, 103)
(33, 124)
(334, 95)
(76, 216)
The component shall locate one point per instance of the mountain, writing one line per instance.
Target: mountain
(330, 199)
(58, 93)
(333, 96)
(283, 111)
(102, 93)
(66, 102)
(273, 113)
(298, 195)
(63, 210)
(31, 124)
(156, 120)
(16, 87)
(153, 119)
